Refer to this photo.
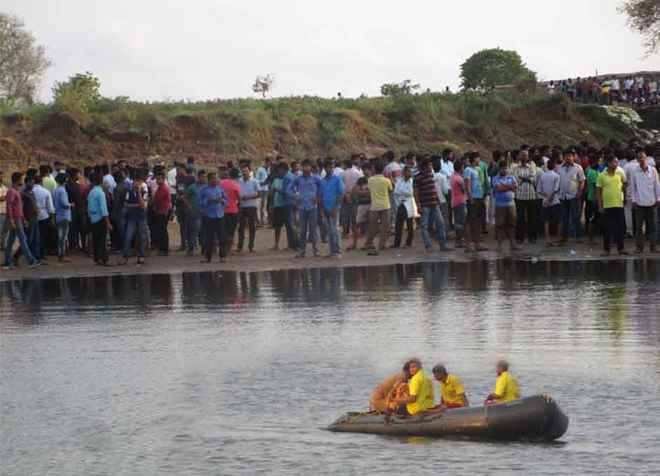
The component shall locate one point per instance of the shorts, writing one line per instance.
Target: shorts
(505, 216)
(280, 216)
(402, 410)
(551, 214)
(362, 214)
(476, 210)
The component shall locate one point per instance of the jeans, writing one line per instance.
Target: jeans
(430, 216)
(570, 218)
(3, 229)
(45, 239)
(18, 233)
(33, 237)
(458, 213)
(334, 241)
(182, 216)
(193, 231)
(308, 230)
(136, 228)
(247, 218)
(62, 235)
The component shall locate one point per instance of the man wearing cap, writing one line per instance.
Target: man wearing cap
(452, 393)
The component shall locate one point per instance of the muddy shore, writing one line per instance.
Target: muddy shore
(264, 259)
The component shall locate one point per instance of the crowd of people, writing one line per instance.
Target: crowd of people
(410, 391)
(533, 193)
(638, 90)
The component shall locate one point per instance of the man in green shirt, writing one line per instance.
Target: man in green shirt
(591, 216)
(610, 188)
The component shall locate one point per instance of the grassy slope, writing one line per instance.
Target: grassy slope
(299, 127)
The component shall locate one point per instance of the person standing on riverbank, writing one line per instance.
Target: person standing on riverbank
(645, 195)
(611, 188)
(99, 218)
(232, 190)
(571, 185)
(426, 197)
(162, 207)
(406, 209)
(458, 202)
(249, 204)
(213, 201)
(505, 187)
(525, 200)
(331, 192)
(307, 190)
(475, 204)
(547, 187)
(137, 200)
(3, 212)
(16, 224)
(62, 215)
(380, 188)
(283, 206)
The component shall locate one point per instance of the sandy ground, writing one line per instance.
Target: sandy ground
(264, 259)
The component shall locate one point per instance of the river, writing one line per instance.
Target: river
(237, 373)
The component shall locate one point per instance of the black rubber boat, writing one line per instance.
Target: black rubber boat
(536, 418)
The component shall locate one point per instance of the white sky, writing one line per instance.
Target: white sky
(202, 49)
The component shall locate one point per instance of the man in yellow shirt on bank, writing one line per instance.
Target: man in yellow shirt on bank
(451, 389)
(420, 391)
(506, 386)
(380, 188)
(610, 192)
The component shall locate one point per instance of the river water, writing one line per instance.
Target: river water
(236, 373)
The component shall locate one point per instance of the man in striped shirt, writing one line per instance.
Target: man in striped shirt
(426, 197)
(526, 205)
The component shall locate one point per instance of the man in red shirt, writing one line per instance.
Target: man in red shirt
(16, 223)
(162, 204)
(232, 189)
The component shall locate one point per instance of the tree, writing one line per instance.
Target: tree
(263, 85)
(644, 16)
(22, 61)
(398, 89)
(77, 94)
(494, 67)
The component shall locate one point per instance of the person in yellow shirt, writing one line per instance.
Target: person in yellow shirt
(452, 393)
(610, 190)
(506, 386)
(420, 391)
(380, 188)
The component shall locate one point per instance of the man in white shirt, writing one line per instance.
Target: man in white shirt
(442, 190)
(645, 195)
(348, 209)
(629, 168)
(4, 227)
(43, 202)
(261, 176)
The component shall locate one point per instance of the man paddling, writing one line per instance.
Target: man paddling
(420, 397)
(451, 389)
(383, 395)
(506, 386)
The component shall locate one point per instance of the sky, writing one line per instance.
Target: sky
(207, 49)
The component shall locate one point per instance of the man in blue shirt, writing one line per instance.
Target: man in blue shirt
(475, 204)
(505, 186)
(97, 209)
(283, 206)
(332, 191)
(248, 205)
(212, 202)
(307, 190)
(62, 214)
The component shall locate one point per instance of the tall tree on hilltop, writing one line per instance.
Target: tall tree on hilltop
(263, 85)
(22, 61)
(644, 16)
(494, 67)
